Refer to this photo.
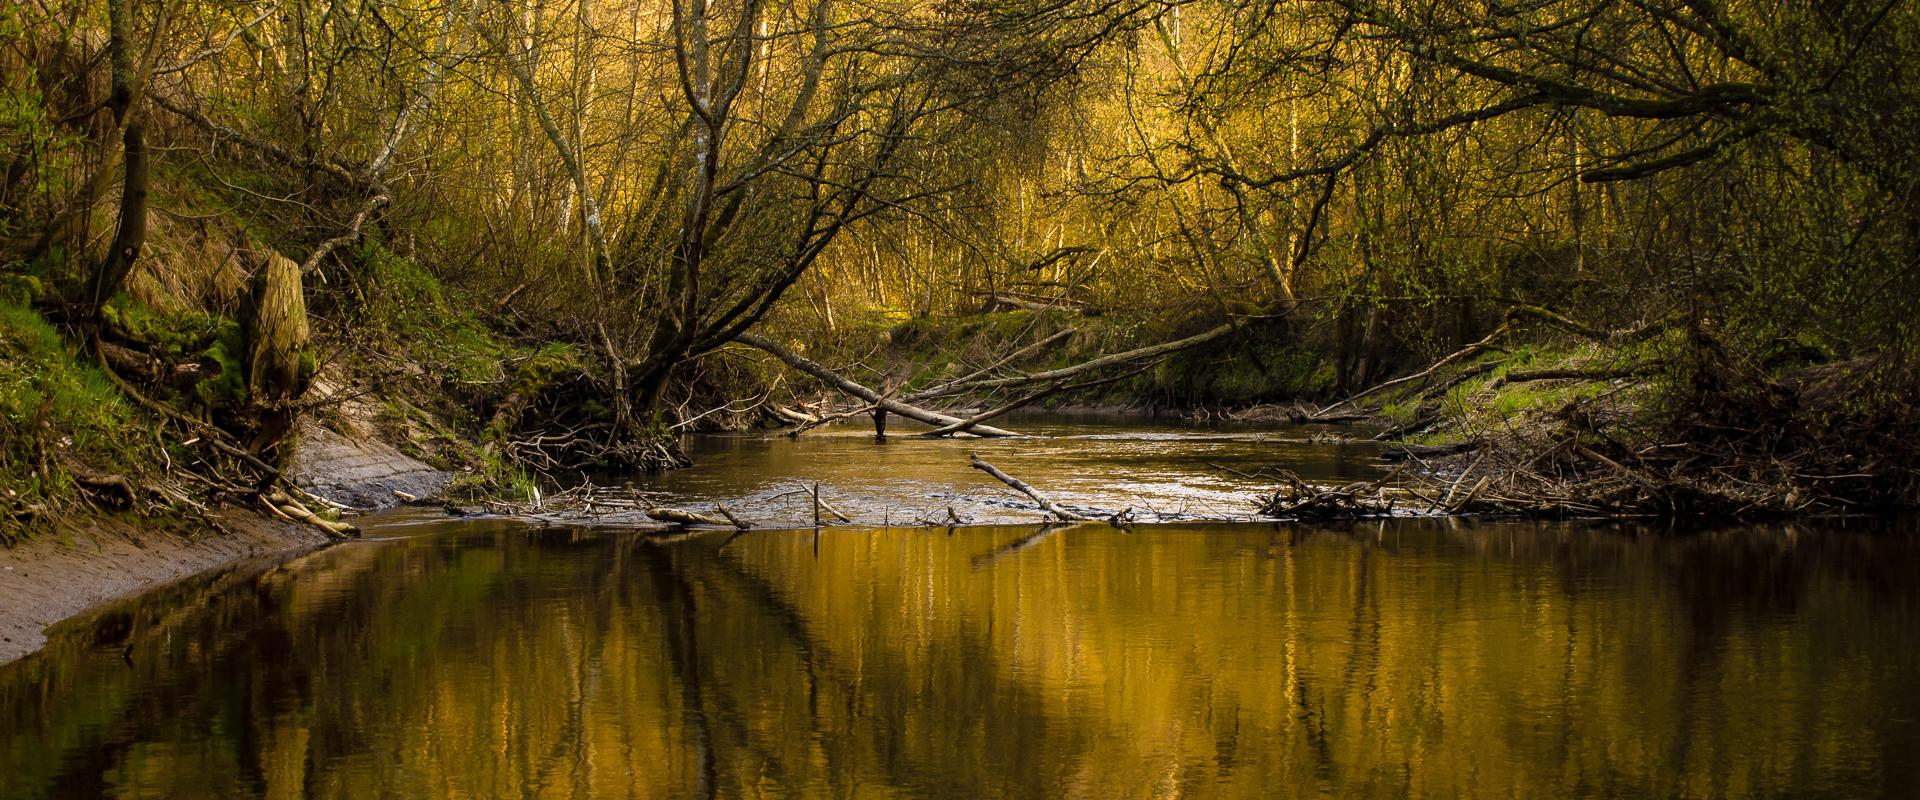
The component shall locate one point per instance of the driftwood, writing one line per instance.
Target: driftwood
(1020, 486)
(290, 508)
(853, 388)
(683, 517)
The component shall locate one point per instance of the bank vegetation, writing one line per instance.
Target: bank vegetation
(1654, 256)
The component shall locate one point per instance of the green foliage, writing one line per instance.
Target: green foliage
(53, 404)
(30, 140)
(407, 304)
(178, 337)
(1263, 366)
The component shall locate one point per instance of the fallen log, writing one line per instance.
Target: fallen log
(849, 386)
(683, 517)
(997, 299)
(1020, 486)
(945, 388)
(1111, 360)
(1016, 404)
(1527, 376)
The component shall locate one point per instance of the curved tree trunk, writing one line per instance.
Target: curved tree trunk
(132, 233)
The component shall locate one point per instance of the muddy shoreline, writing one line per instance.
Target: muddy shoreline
(95, 562)
(92, 561)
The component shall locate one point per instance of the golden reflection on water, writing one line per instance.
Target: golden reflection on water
(1408, 660)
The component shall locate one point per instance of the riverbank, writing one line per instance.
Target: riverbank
(92, 558)
(98, 560)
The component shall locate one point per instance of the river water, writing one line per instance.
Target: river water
(1402, 658)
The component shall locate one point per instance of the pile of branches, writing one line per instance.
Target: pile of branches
(605, 504)
(1723, 439)
(1297, 499)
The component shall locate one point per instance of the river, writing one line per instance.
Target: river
(1389, 658)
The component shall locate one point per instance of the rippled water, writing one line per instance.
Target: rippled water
(1159, 470)
(1405, 658)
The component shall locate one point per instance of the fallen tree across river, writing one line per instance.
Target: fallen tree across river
(1053, 381)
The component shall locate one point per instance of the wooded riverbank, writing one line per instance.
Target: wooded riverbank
(519, 245)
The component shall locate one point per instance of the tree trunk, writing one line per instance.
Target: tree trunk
(277, 364)
(132, 232)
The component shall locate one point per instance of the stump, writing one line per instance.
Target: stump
(278, 347)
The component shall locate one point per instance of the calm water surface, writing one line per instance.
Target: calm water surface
(1411, 658)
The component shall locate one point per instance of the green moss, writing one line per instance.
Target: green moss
(19, 288)
(180, 337)
(228, 387)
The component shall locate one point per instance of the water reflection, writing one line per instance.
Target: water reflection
(1410, 659)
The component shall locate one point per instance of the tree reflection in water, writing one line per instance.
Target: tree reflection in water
(1413, 659)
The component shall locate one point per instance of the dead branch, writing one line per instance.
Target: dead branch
(347, 237)
(1136, 355)
(1015, 357)
(1574, 374)
(1025, 400)
(850, 387)
(1457, 355)
(1021, 487)
(820, 504)
(737, 523)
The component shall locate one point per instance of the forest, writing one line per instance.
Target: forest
(1603, 256)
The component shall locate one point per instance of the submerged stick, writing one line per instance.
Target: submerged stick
(820, 504)
(737, 522)
(1021, 487)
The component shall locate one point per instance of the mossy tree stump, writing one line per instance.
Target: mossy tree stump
(279, 352)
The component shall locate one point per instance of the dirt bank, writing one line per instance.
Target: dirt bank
(55, 577)
(93, 560)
